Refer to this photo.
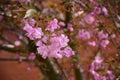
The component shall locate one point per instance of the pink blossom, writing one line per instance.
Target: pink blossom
(62, 40)
(84, 34)
(29, 68)
(45, 39)
(98, 59)
(99, 77)
(39, 43)
(105, 11)
(17, 43)
(62, 24)
(53, 25)
(93, 43)
(113, 36)
(101, 35)
(20, 37)
(31, 21)
(72, 78)
(68, 52)
(31, 56)
(111, 75)
(43, 51)
(70, 27)
(54, 51)
(33, 33)
(27, 27)
(82, 23)
(104, 43)
(89, 19)
(49, 51)
(98, 64)
(97, 10)
(95, 65)
(20, 59)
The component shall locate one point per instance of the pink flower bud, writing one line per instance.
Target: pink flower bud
(17, 43)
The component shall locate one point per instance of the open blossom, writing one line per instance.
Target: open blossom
(70, 27)
(45, 39)
(62, 40)
(43, 51)
(89, 19)
(93, 43)
(104, 43)
(67, 52)
(32, 56)
(102, 35)
(62, 24)
(54, 51)
(33, 33)
(49, 51)
(97, 10)
(53, 25)
(113, 36)
(105, 11)
(84, 34)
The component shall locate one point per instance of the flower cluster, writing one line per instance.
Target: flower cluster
(97, 65)
(57, 47)
(103, 39)
(49, 45)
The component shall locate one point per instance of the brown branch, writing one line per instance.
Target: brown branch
(77, 66)
(13, 59)
(5, 38)
(62, 69)
(11, 48)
